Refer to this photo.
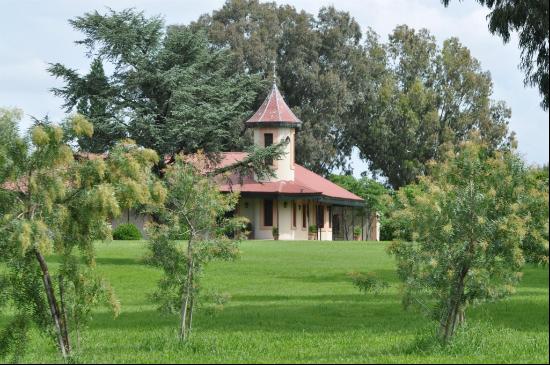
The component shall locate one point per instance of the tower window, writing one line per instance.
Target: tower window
(268, 141)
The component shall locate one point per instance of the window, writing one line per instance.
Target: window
(320, 216)
(268, 212)
(304, 216)
(268, 141)
(294, 214)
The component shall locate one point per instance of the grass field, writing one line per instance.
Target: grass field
(292, 302)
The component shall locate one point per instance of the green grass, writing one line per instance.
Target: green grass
(292, 302)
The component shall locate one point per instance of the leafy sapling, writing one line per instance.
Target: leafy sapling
(56, 201)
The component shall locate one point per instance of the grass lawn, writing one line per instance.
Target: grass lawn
(292, 302)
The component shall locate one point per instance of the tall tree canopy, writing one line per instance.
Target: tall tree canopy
(399, 102)
(186, 88)
(425, 99)
(530, 18)
(168, 91)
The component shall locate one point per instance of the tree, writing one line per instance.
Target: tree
(56, 201)
(169, 91)
(193, 214)
(530, 19)
(426, 99)
(375, 194)
(462, 232)
(91, 96)
(535, 243)
(320, 67)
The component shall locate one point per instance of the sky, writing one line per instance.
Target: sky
(35, 33)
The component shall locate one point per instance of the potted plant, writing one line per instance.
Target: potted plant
(275, 231)
(357, 233)
(312, 232)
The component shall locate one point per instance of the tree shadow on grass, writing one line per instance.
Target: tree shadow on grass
(325, 314)
(116, 261)
(348, 298)
(331, 314)
(340, 277)
(120, 261)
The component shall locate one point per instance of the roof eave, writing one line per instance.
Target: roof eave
(280, 124)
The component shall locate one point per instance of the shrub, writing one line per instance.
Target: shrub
(368, 282)
(357, 231)
(126, 232)
(313, 228)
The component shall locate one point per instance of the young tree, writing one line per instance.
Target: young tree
(462, 232)
(190, 233)
(535, 243)
(56, 201)
(531, 20)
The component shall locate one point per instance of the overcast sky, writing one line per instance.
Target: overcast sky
(33, 33)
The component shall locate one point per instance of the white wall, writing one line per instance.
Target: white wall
(284, 167)
(252, 208)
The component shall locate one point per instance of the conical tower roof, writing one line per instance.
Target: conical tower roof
(274, 112)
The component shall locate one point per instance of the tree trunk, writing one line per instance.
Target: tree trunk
(187, 299)
(454, 316)
(54, 310)
(63, 316)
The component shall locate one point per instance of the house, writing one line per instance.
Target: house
(296, 198)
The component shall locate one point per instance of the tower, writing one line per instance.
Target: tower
(272, 123)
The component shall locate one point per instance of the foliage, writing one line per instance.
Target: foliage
(374, 193)
(53, 201)
(356, 231)
(275, 232)
(194, 211)
(535, 243)
(319, 64)
(368, 283)
(377, 198)
(312, 228)
(462, 231)
(424, 100)
(237, 227)
(169, 90)
(530, 20)
(400, 103)
(127, 232)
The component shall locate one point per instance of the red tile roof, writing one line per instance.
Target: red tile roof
(305, 182)
(274, 111)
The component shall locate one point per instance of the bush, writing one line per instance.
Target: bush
(127, 232)
(368, 283)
